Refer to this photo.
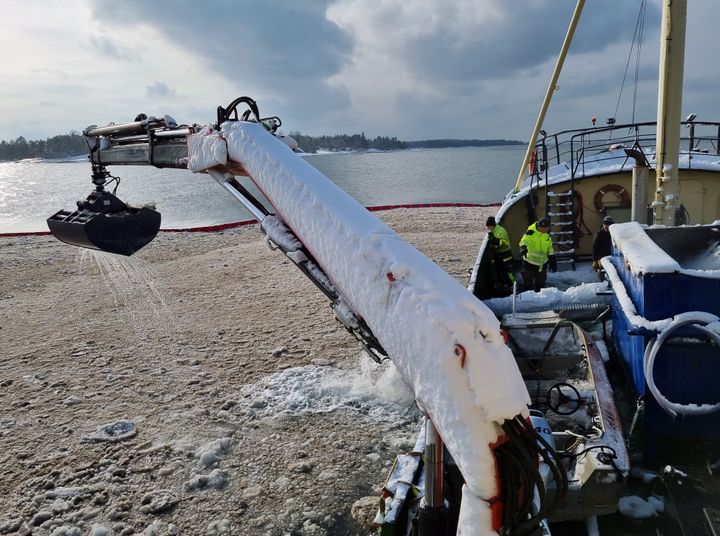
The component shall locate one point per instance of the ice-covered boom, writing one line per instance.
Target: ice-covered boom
(445, 343)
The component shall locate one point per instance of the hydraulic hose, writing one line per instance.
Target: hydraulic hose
(698, 320)
(570, 311)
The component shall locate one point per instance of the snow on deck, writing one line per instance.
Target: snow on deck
(635, 320)
(642, 254)
(551, 298)
(565, 289)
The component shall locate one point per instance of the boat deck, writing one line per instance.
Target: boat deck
(574, 293)
(564, 279)
(690, 489)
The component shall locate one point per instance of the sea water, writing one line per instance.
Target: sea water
(33, 190)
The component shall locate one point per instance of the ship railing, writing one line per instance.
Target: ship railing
(596, 144)
(598, 147)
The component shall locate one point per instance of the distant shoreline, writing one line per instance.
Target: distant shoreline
(412, 145)
(448, 143)
(321, 151)
(73, 145)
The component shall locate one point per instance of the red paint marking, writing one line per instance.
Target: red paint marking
(461, 353)
(497, 506)
(376, 208)
(210, 228)
(505, 335)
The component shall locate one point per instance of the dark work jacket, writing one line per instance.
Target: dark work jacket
(602, 245)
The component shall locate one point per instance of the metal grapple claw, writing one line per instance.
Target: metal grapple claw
(104, 222)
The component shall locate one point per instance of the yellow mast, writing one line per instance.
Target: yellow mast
(548, 94)
(672, 59)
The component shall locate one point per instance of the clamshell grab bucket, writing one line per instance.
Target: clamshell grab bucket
(105, 223)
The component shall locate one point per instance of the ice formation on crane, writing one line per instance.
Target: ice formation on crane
(445, 343)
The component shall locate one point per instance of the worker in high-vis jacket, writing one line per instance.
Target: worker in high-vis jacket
(499, 242)
(537, 254)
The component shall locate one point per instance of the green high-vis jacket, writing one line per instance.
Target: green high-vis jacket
(503, 237)
(539, 246)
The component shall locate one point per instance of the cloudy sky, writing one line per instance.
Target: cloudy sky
(415, 69)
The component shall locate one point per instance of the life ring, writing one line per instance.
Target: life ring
(618, 190)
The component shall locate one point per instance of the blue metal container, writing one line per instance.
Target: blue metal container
(687, 368)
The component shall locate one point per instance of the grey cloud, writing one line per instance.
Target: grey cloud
(607, 77)
(52, 73)
(529, 34)
(272, 42)
(159, 89)
(284, 51)
(701, 83)
(508, 53)
(315, 107)
(107, 47)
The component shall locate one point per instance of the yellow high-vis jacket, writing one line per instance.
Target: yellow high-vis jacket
(539, 246)
(503, 237)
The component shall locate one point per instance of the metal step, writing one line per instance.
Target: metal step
(560, 204)
(560, 194)
(551, 214)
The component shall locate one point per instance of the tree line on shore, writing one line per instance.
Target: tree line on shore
(55, 147)
(345, 142)
(72, 144)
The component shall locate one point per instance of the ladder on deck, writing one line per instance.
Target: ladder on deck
(559, 210)
(560, 213)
